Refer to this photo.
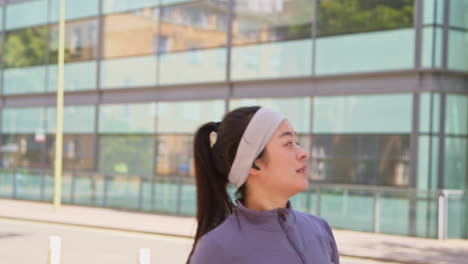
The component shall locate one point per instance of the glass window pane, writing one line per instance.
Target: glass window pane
(394, 213)
(190, 115)
(192, 66)
(169, 2)
(113, 6)
(130, 34)
(23, 120)
(351, 16)
(73, 9)
(76, 119)
(433, 12)
(296, 110)
(78, 76)
(126, 155)
(455, 163)
(363, 114)
(426, 215)
(459, 13)
(272, 60)
(429, 103)
(128, 72)
(196, 25)
(361, 159)
(24, 151)
(174, 155)
(128, 118)
(337, 207)
(428, 152)
(26, 14)
(457, 115)
(457, 47)
(24, 80)
(366, 52)
(271, 20)
(80, 41)
(432, 47)
(456, 217)
(25, 47)
(78, 152)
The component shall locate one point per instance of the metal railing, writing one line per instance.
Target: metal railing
(404, 211)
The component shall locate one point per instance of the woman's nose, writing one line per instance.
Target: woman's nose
(302, 154)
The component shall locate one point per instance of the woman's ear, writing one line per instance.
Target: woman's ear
(254, 166)
(255, 170)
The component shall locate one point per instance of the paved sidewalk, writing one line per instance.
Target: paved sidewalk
(350, 243)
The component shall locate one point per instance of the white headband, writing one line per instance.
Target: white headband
(256, 136)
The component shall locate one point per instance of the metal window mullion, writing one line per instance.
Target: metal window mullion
(434, 34)
(445, 35)
(98, 89)
(314, 35)
(49, 26)
(156, 154)
(230, 20)
(414, 162)
(158, 51)
(418, 33)
(414, 140)
(429, 218)
(440, 176)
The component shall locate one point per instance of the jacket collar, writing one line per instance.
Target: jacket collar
(267, 220)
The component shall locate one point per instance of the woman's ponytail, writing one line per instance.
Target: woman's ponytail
(213, 202)
(212, 166)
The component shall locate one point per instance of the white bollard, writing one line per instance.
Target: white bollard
(54, 249)
(145, 256)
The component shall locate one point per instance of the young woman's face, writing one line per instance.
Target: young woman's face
(283, 167)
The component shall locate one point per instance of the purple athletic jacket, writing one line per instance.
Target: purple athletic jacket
(281, 236)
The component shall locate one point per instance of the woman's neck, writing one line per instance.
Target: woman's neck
(259, 201)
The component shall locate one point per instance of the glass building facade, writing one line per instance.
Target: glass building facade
(377, 91)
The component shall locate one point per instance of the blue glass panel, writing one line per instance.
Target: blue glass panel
(128, 72)
(457, 47)
(76, 119)
(26, 14)
(366, 52)
(458, 13)
(192, 66)
(127, 118)
(23, 120)
(272, 60)
(24, 80)
(363, 114)
(432, 47)
(113, 6)
(73, 9)
(190, 115)
(78, 76)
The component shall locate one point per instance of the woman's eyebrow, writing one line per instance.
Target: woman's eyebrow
(288, 133)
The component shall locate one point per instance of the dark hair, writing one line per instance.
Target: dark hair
(212, 166)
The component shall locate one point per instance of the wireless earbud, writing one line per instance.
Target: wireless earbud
(255, 166)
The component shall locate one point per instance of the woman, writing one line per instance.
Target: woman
(256, 150)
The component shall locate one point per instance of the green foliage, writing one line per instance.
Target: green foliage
(351, 16)
(25, 47)
(126, 155)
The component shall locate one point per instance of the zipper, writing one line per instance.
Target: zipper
(282, 219)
